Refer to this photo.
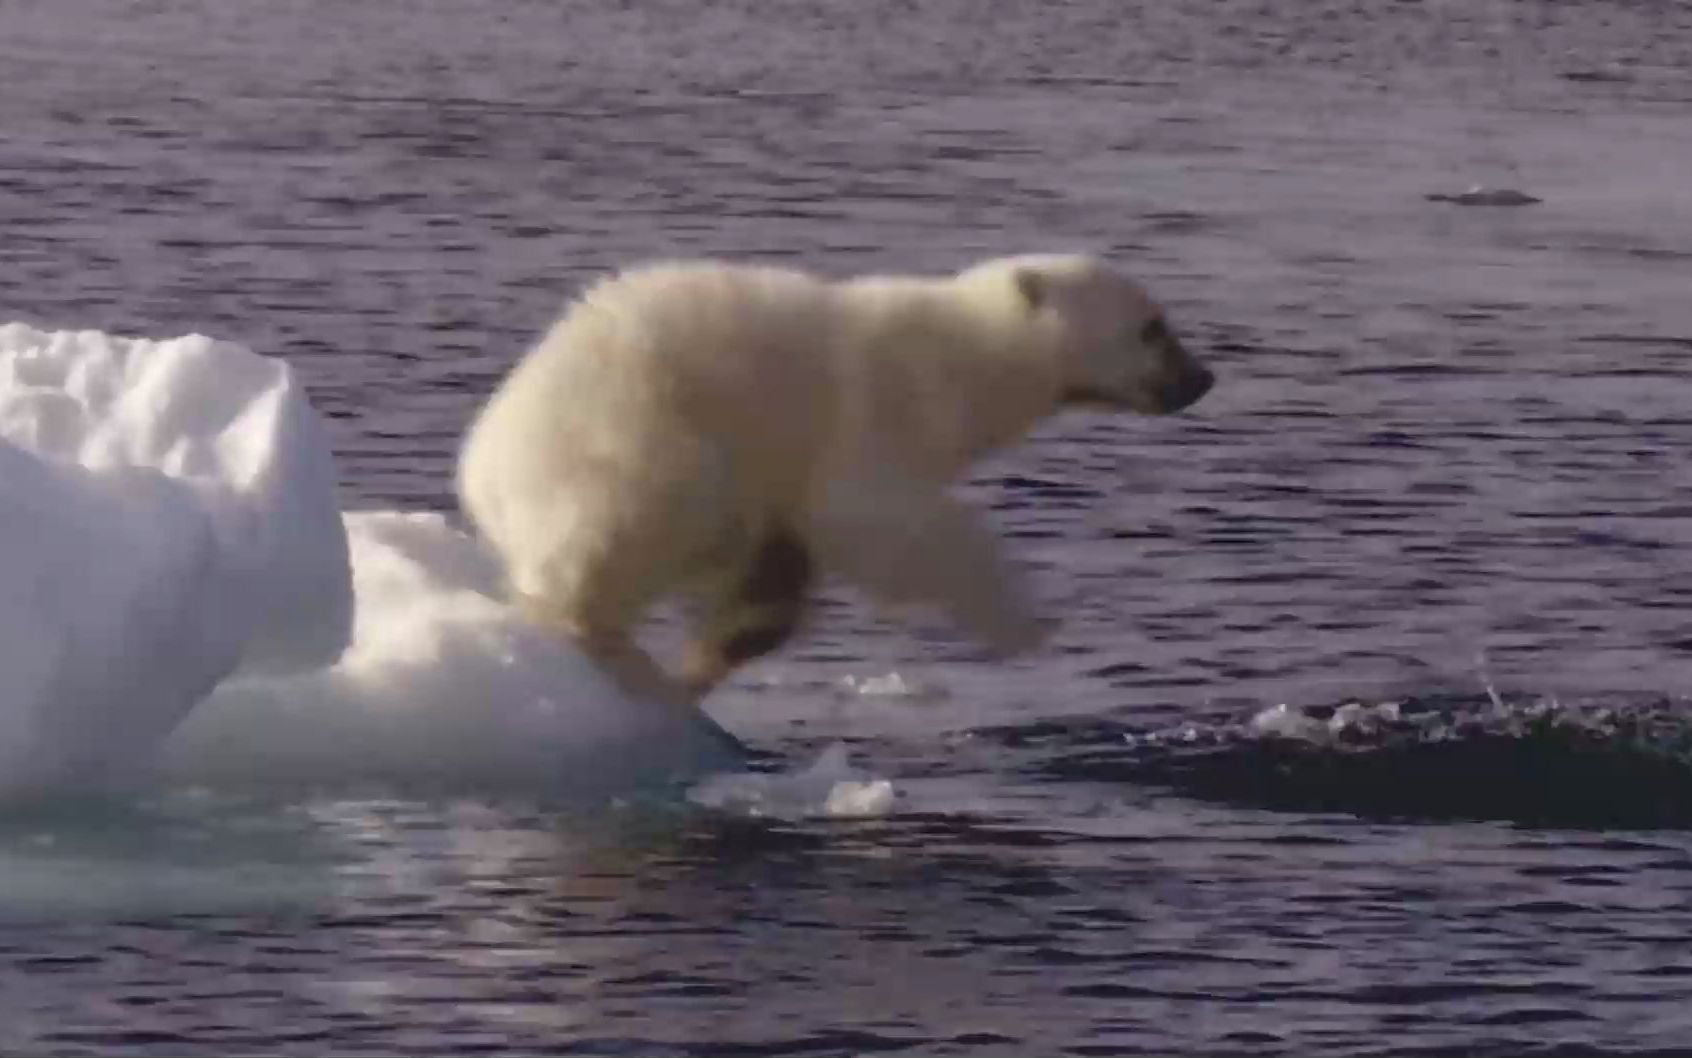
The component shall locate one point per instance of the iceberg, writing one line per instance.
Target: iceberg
(181, 597)
(167, 520)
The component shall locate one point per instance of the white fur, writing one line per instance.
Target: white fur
(677, 412)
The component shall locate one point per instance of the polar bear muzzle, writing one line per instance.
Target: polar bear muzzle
(1177, 382)
(1189, 381)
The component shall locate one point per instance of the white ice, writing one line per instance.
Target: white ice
(444, 686)
(891, 685)
(177, 588)
(167, 519)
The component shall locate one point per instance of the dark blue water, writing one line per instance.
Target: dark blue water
(1448, 452)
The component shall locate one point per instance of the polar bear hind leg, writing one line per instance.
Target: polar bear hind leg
(751, 615)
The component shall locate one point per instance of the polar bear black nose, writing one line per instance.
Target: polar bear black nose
(1187, 387)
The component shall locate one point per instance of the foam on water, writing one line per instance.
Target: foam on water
(1350, 719)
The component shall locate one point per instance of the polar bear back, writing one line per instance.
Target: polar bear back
(678, 412)
(673, 369)
(671, 407)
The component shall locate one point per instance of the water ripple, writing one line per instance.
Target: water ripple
(1542, 763)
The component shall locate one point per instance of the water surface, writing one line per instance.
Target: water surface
(1447, 449)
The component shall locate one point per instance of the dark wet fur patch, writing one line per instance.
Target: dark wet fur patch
(771, 598)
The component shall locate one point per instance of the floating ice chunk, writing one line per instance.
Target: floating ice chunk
(892, 685)
(167, 518)
(851, 799)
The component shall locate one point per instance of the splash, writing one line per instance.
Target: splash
(1539, 762)
(829, 787)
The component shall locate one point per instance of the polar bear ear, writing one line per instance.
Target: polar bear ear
(1033, 286)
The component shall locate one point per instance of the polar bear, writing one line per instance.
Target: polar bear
(727, 433)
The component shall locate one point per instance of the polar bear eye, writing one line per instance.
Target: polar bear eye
(1155, 332)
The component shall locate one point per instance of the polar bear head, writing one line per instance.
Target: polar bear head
(1113, 344)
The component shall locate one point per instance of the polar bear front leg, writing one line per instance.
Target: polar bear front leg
(955, 561)
(759, 611)
(903, 547)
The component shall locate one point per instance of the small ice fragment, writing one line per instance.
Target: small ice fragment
(859, 800)
(892, 685)
(829, 787)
